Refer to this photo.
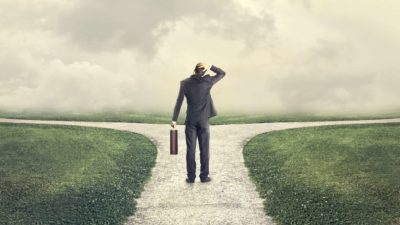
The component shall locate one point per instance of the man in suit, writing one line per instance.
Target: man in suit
(200, 108)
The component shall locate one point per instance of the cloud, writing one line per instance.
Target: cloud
(53, 85)
(91, 55)
(109, 25)
(306, 3)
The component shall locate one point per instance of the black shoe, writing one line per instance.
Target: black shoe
(189, 181)
(207, 179)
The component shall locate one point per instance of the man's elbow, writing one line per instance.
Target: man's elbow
(222, 74)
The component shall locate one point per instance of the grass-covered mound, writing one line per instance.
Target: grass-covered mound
(328, 175)
(71, 175)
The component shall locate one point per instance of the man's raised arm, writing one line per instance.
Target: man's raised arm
(219, 74)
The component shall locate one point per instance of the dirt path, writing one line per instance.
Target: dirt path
(231, 198)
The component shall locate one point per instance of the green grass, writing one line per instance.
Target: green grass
(297, 117)
(165, 118)
(328, 175)
(132, 117)
(71, 175)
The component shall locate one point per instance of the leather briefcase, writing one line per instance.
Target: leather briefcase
(173, 141)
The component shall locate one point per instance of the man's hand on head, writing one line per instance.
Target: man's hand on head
(208, 67)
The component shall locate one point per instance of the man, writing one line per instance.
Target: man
(200, 108)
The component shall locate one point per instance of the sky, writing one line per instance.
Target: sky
(278, 55)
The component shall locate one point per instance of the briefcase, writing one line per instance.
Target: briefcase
(173, 141)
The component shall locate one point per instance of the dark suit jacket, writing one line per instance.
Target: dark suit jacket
(197, 91)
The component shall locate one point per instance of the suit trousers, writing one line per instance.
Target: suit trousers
(197, 131)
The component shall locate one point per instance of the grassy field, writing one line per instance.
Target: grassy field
(222, 118)
(328, 175)
(71, 175)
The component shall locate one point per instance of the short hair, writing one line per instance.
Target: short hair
(200, 67)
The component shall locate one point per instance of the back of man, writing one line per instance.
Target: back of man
(200, 108)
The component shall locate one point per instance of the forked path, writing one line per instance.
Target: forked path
(230, 198)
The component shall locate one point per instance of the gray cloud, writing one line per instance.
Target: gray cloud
(15, 73)
(88, 56)
(306, 3)
(104, 25)
(326, 93)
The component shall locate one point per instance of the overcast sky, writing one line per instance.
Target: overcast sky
(286, 55)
